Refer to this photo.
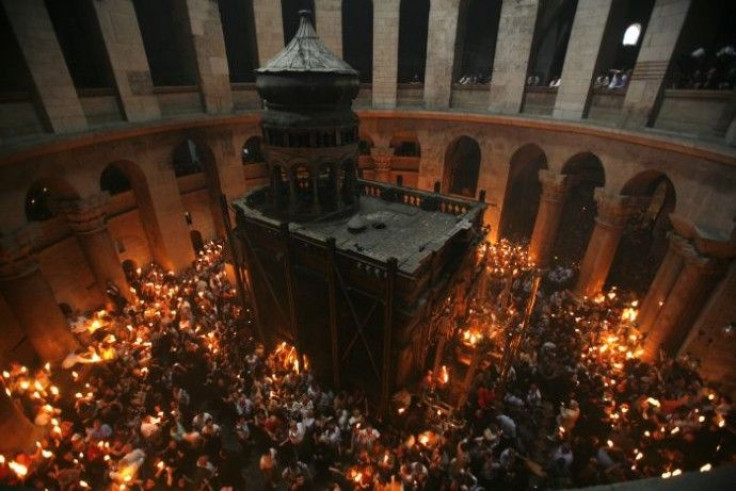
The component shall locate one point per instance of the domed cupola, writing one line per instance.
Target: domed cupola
(310, 131)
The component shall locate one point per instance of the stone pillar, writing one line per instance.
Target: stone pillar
(328, 17)
(269, 28)
(663, 282)
(19, 433)
(30, 297)
(657, 48)
(382, 157)
(203, 19)
(610, 221)
(508, 79)
(127, 56)
(687, 298)
(443, 15)
(86, 218)
(385, 53)
(591, 18)
(551, 203)
(32, 27)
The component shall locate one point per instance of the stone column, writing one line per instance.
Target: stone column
(32, 27)
(30, 297)
(551, 203)
(382, 157)
(591, 18)
(269, 29)
(441, 40)
(328, 17)
(203, 22)
(682, 306)
(663, 282)
(508, 79)
(19, 433)
(86, 218)
(657, 48)
(610, 221)
(127, 55)
(385, 53)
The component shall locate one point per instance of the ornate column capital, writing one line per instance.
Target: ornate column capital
(15, 249)
(554, 186)
(84, 215)
(615, 209)
(382, 157)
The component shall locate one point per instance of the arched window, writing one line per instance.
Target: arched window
(290, 16)
(252, 150)
(114, 180)
(631, 35)
(462, 164)
(406, 146)
(187, 159)
(357, 36)
(239, 32)
(413, 28)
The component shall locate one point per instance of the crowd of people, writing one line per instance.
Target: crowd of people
(173, 391)
(706, 69)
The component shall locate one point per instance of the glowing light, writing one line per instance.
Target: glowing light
(19, 469)
(706, 468)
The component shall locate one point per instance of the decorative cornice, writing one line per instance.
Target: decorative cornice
(85, 215)
(554, 186)
(615, 209)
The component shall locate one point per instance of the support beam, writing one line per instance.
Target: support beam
(573, 96)
(511, 61)
(657, 49)
(32, 27)
(443, 17)
(328, 17)
(385, 53)
(127, 56)
(269, 28)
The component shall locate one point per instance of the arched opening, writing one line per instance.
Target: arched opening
(40, 197)
(348, 182)
(279, 185)
(462, 167)
(197, 241)
(239, 33)
(167, 42)
(585, 173)
(139, 213)
(523, 191)
(196, 171)
(406, 145)
(303, 187)
(552, 33)
(290, 16)
(631, 35)
(644, 242)
(357, 37)
(475, 48)
(252, 150)
(413, 28)
(114, 181)
(327, 187)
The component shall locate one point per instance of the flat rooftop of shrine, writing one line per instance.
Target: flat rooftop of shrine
(393, 228)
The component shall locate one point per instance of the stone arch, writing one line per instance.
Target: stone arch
(191, 158)
(357, 37)
(644, 240)
(252, 153)
(39, 197)
(413, 30)
(584, 173)
(523, 191)
(462, 167)
(143, 200)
